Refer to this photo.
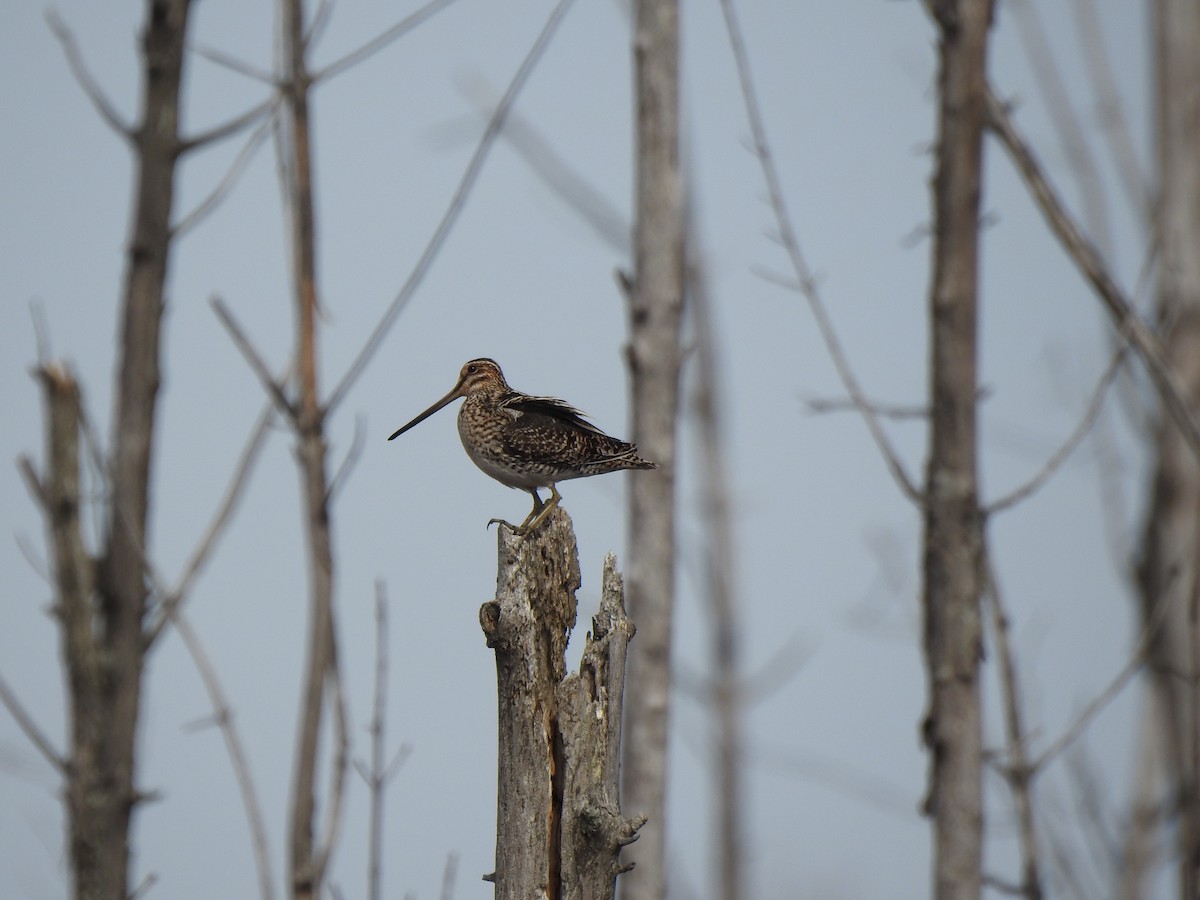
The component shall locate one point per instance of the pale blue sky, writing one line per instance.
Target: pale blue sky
(828, 549)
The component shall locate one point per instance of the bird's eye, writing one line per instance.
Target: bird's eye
(472, 369)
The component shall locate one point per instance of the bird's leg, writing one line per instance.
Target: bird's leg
(540, 511)
(522, 528)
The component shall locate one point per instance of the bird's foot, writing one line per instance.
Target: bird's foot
(515, 529)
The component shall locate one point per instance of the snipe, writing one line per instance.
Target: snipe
(528, 442)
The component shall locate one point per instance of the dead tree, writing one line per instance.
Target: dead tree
(559, 828)
(102, 601)
(953, 538)
(655, 293)
(1169, 570)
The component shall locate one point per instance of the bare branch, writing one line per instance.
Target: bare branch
(26, 724)
(1136, 660)
(782, 666)
(316, 27)
(1018, 773)
(233, 745)
(340, 764)
(233, 64)
(787, 282)
(896, 412)
(270, 385)
(225, 185)
(403, 752)
(877, 791)
(228, 129)
(143, 887)
(548, 165)
(224, 513)
(1056, 460)
(806, 283)
(1125, 319)
(1081, 164)
(41, 334)
(36, 562)
(378, 730)
(486, 140)
(25, 465)
(373, 46)
(351, 460)
(1114, 122)
(79, 69)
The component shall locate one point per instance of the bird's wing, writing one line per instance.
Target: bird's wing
(534, 409)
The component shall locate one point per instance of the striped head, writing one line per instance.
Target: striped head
(480, 376)
(477, 377)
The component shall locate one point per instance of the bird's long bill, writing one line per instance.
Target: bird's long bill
(453, 395)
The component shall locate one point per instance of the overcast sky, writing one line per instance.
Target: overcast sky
(828, 550)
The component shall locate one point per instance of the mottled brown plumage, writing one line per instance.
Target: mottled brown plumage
(528, 442)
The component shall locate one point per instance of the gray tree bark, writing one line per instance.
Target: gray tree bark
(102, 603)
(1169, 571)
(953, 536)
(559, 828)
(655, 308)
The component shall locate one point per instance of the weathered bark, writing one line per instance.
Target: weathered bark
(721, 596)
(1169, 573)
(559, 829)
(953, 571)
(102, 609)
(655, 307)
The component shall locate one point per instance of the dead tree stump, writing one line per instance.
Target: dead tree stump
(559, 828)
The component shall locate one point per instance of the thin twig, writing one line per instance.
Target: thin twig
(1114, 122)
(272, 387)
(549, 166)
(316, 28)
(341, 762)
(1125, 318)
(1056, 460)
(486, 140)
(232, 63)
(36, 562)
(41, 333)
(228, 129)
(1063, 119)
(357, 445)
(378, 731)
(144, 887)
(1136, 660)
(895, 412)
(25, 722)
(79, 69)
(233, 745)
(779, 669)
(806, 283)
(32, 481)
(373, 46)
(221, 519)
(225, 185)
(1017, 773)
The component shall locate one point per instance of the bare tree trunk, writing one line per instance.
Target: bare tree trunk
(308, 857)
(953, 545)
(655, 308)
(102, 608)
(559, 829)
(1169, 574)
(719, 585)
